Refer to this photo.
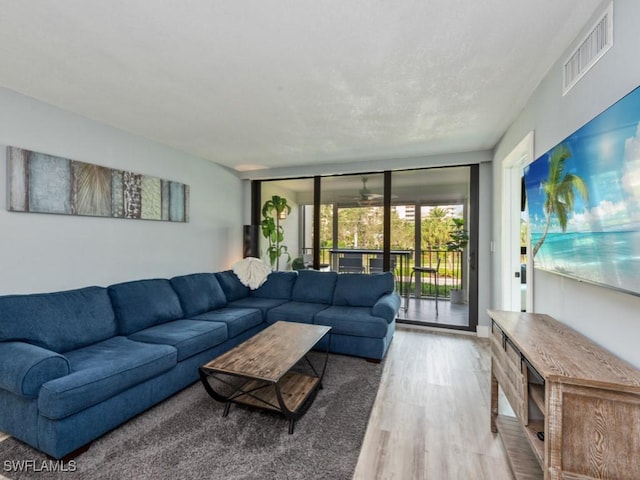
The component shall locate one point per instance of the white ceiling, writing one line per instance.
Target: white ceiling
(285, 83)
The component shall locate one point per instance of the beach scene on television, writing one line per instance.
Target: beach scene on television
(583, 201)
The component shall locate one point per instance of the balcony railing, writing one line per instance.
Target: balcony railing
(449, 271)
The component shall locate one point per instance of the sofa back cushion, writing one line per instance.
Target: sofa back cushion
(232, 286)
(362, 289)
(277, 286)
(143, 303)
(58, 321)
(314, 286)
(198, 293)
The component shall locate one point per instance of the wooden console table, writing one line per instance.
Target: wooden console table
(577, 405)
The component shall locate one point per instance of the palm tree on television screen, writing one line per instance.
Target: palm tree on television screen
(560, 189)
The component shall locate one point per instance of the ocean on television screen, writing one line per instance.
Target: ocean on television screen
(610, 258)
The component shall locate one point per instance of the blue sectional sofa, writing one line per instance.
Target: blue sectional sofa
(78, 363)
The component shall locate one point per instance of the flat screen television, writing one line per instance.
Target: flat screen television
(583, 201)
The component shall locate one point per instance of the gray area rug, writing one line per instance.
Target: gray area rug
(186, 437)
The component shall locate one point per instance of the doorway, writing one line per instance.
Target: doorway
(433, 215)
(517, 272)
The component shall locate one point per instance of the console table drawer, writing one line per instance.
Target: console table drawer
(509, 377)
(508, 370)
(497, 334)
(513, 354)
(502, 341)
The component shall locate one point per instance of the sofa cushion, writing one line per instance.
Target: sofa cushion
(362, 289)
(278, 285)
(300, 312)
(237, 320)
(187, 336)
(100, 371)
(232, 286)
(314, 286)
(354, 321)
(198, 293)
(143, 303)
(262, 304)
(59, 321)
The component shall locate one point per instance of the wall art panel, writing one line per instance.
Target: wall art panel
(41, 183)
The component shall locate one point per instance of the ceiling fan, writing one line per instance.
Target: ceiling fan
(364, 198)
(367, 197)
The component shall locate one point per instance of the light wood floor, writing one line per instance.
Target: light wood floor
(431, 416)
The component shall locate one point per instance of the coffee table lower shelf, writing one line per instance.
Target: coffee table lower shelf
(295, 389)
(291, 396)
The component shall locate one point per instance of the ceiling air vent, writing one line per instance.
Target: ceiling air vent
(594, 45)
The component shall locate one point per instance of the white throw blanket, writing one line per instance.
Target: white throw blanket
(252, 272)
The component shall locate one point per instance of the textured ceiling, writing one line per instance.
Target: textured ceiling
(290, 82)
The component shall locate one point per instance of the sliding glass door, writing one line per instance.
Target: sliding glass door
(419, 224)
(430, 210)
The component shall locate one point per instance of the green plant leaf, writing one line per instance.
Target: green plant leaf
(271, 228)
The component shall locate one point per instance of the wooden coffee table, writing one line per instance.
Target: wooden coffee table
(258, 372)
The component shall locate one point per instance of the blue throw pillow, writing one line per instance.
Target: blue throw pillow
(144, 303)
(314, 286)
(58, 321)
(232, 286)
(362, 289)
(277, 286)
(198, 293)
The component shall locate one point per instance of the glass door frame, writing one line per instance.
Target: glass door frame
(473, 227)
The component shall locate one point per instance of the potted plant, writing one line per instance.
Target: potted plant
(458, 240)
(273, 211)
(297, 264)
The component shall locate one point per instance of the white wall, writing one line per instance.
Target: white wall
(607, 317)
(40, 252)
(484, 244)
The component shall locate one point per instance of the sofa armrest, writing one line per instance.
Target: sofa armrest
(25, 367)
(387, 306)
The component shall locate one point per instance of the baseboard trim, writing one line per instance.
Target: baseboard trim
(482, 331)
